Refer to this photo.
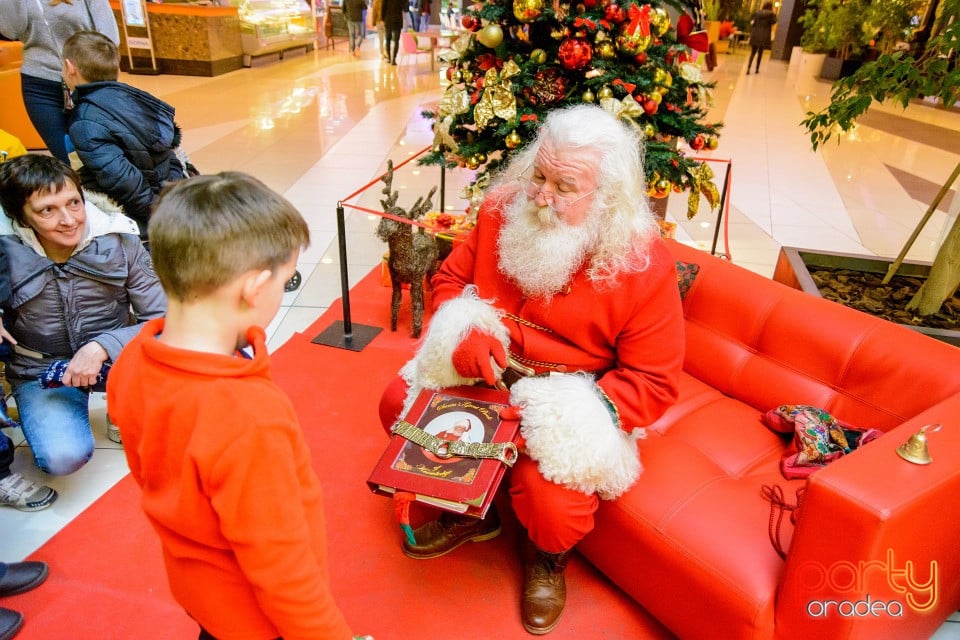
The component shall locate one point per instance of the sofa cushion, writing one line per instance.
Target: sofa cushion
(696, 520)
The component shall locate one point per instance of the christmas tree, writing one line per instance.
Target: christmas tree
(522, 58)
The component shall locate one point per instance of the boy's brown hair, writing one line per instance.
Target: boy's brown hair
(94, 55)
(208, 230)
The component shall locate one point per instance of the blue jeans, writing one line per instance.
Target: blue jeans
(43, 100)
(6, 456)
(355, 31)
(56, 424)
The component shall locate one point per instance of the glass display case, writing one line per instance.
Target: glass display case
(269, 26)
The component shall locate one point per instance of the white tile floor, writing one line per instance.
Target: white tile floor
(317, 127)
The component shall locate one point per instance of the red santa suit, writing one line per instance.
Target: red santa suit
(580, 428)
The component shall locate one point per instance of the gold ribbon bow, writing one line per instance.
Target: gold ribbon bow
(626, 109)
(455, 101)
(701, 182)
(457, 49)
(498, 99)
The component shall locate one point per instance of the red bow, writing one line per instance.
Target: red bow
(694, 39)
(639, 19)
(626, 85)
(584, 22)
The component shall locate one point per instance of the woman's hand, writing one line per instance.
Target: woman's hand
(84, 367)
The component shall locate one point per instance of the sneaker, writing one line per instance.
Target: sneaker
(25, 495)
(113, 432)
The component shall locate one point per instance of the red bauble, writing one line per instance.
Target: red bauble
(470, 23)
(612, 12)
(650, 106)
(641, 57)
(574, 54)
(486, 61)
(549, 86)
(697, 143)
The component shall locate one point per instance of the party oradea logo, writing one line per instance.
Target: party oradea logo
(870, 588)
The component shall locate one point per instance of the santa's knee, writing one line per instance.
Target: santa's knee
(391, 403)
(556, 518)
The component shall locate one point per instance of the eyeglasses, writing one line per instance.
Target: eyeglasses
(533, 187)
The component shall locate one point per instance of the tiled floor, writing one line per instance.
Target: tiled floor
(317, 127)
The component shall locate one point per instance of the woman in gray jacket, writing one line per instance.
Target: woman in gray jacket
(81, 284)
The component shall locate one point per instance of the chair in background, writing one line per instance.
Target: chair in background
(410, 45)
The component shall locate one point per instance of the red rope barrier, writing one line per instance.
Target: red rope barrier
(378, 178)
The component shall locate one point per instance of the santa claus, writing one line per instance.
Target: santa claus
(565, 292)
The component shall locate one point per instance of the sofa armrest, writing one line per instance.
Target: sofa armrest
(875, 529)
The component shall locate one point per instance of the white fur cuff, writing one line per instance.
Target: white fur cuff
(432, 366)
(571, 434)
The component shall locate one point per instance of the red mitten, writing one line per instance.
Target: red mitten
(474, 357)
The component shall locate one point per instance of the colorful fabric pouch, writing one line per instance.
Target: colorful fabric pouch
(818, 438)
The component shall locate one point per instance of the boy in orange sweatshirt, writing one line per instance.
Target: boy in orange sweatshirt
(213, 443)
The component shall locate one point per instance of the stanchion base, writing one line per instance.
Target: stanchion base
(334, 336)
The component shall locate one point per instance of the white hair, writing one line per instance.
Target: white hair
(628, 223)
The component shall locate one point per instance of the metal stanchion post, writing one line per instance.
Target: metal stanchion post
(723, 201)
(343, 334)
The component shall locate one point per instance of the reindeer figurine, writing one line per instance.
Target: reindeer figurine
(413, 252)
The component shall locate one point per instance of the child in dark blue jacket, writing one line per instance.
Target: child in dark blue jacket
(125, 138)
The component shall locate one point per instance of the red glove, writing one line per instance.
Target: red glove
(474, 357)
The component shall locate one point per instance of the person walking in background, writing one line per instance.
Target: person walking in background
(393, 24)
(423, 7)
(353, 11)
(760, 33)
(376, 20)
(125, 137)
(43, 27)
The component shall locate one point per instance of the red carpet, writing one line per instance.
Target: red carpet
(107, 579)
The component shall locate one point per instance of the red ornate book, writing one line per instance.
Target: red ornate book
(431, 452)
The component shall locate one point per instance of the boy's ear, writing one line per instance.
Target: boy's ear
(253, 283)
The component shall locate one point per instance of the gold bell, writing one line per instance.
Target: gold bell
(915, 449)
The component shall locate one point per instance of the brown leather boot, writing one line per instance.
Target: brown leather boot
(544, 589)
(451, 530)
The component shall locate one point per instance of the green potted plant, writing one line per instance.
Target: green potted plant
(844, 35)
(813, 42)
(889, 22)
(901, 77)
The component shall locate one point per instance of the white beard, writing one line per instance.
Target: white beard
(540, 252)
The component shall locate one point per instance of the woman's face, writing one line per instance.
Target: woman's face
(58, 218)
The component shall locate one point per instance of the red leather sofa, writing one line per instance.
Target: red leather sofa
(876, 548)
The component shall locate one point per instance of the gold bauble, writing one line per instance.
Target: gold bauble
(656, 96)
(472, 163)
(712, 143)
(527, 10)
(661, 188)
(588, 96)
(659, 21)
(662, 77)
(513, 140)
(467, 75)
(649, 131)
(480, 156)
(490, 36)
(456, 76)
(606, 50)
(538, 56)
(605, 92)
(631, 44)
